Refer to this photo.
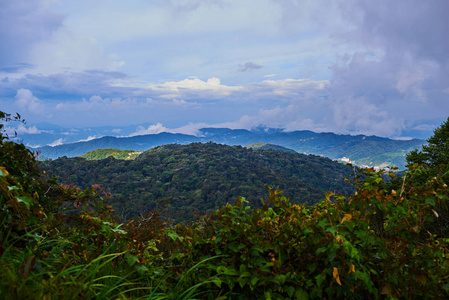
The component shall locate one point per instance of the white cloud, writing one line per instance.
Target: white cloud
(57, 142)
(26, 101)
(90, 138)
(191, 129)
(28, 130)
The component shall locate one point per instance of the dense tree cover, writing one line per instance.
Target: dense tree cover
(436, 152)
(117, 154)
(201, 177)
(269, 146)
(362, 150)
(60, 242)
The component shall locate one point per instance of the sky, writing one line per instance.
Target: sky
(344, 66)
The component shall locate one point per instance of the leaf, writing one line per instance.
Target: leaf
(328, 195)
(3, 171)
(245, 274)
(131, 259)
(386, 290)
(347, 217)
(141, 269)
(26, 200)
(336, 276)
(430, 201)
(254, 280)
(435, 213)
(301, 294)
(26, 266)
(320, 278)
(243, 282)
(290, 291)
(217, 281)
(351, 268)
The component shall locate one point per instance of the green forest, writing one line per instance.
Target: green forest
(184, 180)
(386, 239)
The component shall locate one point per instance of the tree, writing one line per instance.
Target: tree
(436, 152)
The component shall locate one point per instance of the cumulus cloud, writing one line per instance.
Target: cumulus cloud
(248, 66)
(27, 102)
(191, 129)
(57, 142)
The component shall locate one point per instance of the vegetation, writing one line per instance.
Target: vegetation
(268, 146)
(115, 153)
(381, 242)
(360, 149)
(196, 178)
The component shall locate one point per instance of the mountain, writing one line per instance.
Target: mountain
(202, 177)
(359, 149)
(268, 146)
(117, 154)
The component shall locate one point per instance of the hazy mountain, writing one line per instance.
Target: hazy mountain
(359, 149)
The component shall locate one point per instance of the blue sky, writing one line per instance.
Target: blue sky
(345, 66)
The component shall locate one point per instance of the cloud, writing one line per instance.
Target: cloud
(190, 129)
(22, 129)
(24, 24)
(399, 74)
(27, 102)
(57, 142)
(248, 66)
(91, 137)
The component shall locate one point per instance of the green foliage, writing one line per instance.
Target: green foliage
(436, 151)
(202, 177)
(117, 154)
(268, 146)
(385, 241)
(373, 244)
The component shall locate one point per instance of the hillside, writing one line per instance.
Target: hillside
(360, 149)
(117, 154)
(202, 177)
(268, 146)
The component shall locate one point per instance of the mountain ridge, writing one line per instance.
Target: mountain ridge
(359, 149)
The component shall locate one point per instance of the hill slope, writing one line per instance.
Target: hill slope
(268, 146)
(360, 149)
(117, 154)
(202, 177)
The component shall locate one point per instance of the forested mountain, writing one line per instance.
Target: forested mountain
(360, 149)
(105, 153)
(201, 177)
(268, 146)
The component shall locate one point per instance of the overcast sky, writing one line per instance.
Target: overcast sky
(349, 66)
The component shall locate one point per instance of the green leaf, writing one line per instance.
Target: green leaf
(245, 274)
(233, 247)
(217, 281)
(301, 294)
(131, 259)
(254, 280)
(26, 200)
(320, 278)
(243, 282)
(430, 201)
(321, 250)
(141, 269)
(290, 291)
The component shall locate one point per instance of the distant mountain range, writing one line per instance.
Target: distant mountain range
(359, 149)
